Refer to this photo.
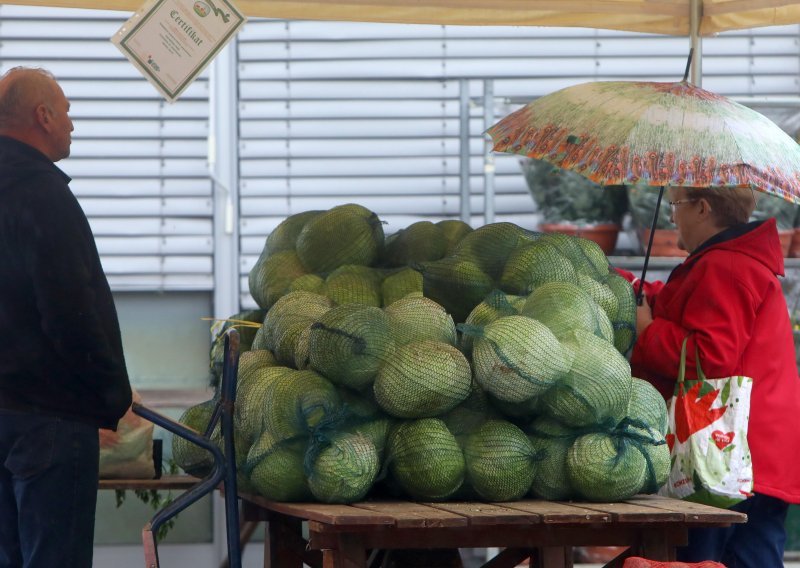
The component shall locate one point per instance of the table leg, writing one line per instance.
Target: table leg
(284, 544)
(660, 544)
(554, 557)
(349, 553)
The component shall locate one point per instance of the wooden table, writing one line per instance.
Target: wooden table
(165, 483)
(342, 536)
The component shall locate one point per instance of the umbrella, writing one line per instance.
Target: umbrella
(657, 134)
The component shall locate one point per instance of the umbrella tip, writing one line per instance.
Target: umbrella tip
(688, 64)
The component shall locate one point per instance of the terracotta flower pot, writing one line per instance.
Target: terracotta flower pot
(786, 237)
(605, 235)
(665, 242)
(794, 246)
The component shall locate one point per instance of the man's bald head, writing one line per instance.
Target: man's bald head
(34, 110)
(22, 89)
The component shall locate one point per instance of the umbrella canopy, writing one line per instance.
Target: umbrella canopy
(624, 133)
(653, 16)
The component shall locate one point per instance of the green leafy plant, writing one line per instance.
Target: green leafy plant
(567, 197)
(642, 200)
(785, 213)
(157, 499)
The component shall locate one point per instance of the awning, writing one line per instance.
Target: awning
(655, 16)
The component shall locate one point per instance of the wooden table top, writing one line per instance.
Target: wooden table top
(642, 509)
(165, 482)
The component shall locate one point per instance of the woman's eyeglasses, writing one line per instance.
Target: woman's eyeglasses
(674, 204)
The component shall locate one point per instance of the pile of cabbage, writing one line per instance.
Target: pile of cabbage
(437, 363)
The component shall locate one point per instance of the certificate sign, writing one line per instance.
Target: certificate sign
(172, 41)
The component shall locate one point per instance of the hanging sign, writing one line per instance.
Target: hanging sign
(172, 41)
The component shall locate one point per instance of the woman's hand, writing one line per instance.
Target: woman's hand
(644, 316)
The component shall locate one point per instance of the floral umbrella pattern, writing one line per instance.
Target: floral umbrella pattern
(661, 134)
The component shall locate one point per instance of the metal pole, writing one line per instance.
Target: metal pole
(488, 154)
(695, 15)
(223, 158)
(464, 153)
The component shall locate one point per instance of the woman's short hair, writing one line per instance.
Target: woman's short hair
(729, 206)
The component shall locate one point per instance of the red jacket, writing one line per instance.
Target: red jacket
(727, 299)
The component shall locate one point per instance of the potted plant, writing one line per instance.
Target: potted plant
(642, 200)
(572, 204)
(785, 214)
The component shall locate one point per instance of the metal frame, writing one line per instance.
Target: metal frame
(223, 471)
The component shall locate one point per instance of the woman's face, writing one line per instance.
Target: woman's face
(683, 213)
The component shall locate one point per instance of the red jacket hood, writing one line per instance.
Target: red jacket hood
(760, 243)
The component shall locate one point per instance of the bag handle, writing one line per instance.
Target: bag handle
(682, 365)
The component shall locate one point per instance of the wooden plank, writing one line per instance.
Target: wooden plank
(556, 512)
(693, 512)
(349, 553)
(166, 482)
(336, 515)
(409, 514)
(623, 512)
(485, 514)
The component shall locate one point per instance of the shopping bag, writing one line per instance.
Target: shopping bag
(128, 452)
(710, 458)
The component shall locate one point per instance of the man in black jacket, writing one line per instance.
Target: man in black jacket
(62, 369)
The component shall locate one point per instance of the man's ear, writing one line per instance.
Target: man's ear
(42, 114)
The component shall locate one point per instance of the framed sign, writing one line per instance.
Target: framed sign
(172, 41)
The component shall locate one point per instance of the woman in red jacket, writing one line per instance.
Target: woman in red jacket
(727, 299)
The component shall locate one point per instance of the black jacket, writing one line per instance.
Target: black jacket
(60, 345)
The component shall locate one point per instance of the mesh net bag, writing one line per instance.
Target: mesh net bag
(398, 285)
(415, 319)
(284, 236)
(606, 467)
(251, 410)
(362, 415)
(516, 358)
(564, 307)
(425, 459)
(597, 388)
(500, 461)
(551, 440)
(456, 283)
(419, 242)
(308, 283)
(272, 275)
(423, 379)
(496, 305)
(647, 406)
(349, 344)
(276, 468)
(601, 294)
(247, 334)
(624, 321)
(639, 562)
(353, 284)
(190, 457)
(345, 234)
(454, 230)
(288, 333)
(294, 306)
(586, 256)
(342, 467)
(490, 245)
(468, 416)
(534, 264)
(296, 403)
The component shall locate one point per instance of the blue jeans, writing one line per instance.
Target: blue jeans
(758, 543)
(48, 491)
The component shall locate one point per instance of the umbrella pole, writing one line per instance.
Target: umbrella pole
(640, 291)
